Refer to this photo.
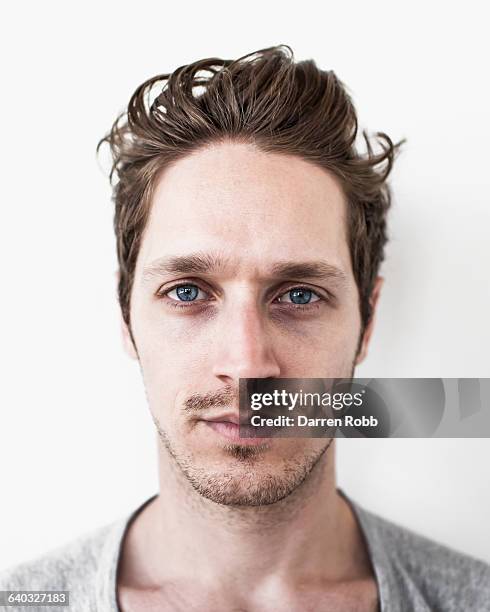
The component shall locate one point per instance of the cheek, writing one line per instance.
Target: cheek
(173, 353)
(325, 357)
(160, 335)
(319, 345)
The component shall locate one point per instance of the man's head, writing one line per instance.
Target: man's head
(249, 234)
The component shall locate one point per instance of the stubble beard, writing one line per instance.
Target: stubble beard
(244, 483)
(241, 485)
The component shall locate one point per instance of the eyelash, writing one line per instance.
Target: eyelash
(162, 295)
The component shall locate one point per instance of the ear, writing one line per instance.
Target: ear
(373, 300)
(127, 341)
(126, 336)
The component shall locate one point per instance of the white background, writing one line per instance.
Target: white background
(77, 447)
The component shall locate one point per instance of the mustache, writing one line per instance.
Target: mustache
(222, 397)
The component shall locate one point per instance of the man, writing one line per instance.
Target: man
(250, 233)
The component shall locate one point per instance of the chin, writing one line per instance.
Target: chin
(244, 489)
(250, 475)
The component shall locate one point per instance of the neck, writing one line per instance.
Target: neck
(311, 533)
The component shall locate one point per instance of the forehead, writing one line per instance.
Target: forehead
(255, 206)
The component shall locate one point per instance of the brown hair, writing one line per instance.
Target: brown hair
(265, 98)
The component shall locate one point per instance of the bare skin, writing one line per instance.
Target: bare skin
(306, 553)
(234, 529)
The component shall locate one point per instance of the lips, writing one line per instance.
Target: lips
(229, 426)
(227, 418)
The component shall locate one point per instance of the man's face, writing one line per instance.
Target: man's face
(244, 272)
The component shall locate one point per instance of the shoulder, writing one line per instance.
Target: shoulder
(73, 567)
(445, 578)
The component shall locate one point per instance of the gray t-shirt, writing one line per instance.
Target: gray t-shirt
(413, 573)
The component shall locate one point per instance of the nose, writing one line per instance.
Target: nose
(244, 348)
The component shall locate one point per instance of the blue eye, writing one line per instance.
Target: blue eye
(299, 295)
(185, 293)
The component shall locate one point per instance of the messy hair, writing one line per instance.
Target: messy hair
(265, 98)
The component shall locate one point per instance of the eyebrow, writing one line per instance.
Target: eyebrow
(209, 263)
